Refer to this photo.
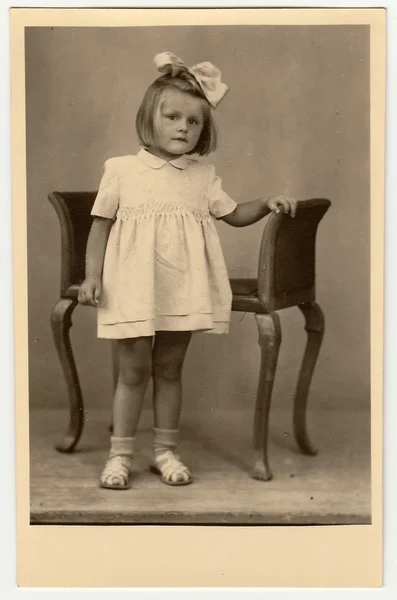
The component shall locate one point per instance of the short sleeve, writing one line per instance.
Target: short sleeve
(107, 199)
(220, 204)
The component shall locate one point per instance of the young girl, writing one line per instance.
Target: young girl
(154, 264)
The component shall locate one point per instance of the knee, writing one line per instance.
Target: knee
(133, 376)
(167, 371)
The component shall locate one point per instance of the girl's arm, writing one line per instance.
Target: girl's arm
(91, 288)
(251, 212)
(96, 246)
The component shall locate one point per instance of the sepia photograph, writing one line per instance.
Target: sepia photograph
(198, 273)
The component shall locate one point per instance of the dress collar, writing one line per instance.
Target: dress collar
(155, 162)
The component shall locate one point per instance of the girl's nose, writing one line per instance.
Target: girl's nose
(183, 125)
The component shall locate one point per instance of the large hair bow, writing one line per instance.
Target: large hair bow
(206, 74)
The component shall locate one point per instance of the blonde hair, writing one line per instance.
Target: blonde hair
(184, 82)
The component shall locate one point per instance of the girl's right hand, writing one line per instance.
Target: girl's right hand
(90, 292)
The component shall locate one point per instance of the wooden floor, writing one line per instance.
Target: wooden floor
(330, 488)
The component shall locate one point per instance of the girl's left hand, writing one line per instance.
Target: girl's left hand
(278, 203)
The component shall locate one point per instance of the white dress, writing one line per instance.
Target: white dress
(163, 268)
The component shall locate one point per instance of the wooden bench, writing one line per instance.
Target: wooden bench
(286, 278)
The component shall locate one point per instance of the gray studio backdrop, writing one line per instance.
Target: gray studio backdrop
(296, 121)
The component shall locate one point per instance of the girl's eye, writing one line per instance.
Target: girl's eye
(172, 117)
(193, 121)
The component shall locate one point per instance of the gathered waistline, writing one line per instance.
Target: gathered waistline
(157, 208)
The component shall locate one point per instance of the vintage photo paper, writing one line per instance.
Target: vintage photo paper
(302, 119)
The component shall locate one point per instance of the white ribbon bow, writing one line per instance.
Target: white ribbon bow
(206, 74)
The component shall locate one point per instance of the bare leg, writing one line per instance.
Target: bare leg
(134, 372)
(135, 366)
(115, 370)
(314, 325)
(115, 362)
(168, 356)
(61, 322)
(169, 353)
(269, 340)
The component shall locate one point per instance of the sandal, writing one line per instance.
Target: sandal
(116, 474)
(172, 470)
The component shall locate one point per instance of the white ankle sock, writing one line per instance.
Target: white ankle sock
(164, 439)
(122, 446)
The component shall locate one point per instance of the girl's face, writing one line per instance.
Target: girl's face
(178, 123)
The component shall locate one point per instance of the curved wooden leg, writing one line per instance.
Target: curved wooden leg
(115, 371)
(314, 325)
(269, 330)
(61, 322)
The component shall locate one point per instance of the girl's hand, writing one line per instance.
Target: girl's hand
(278, 203)
(90, 292)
